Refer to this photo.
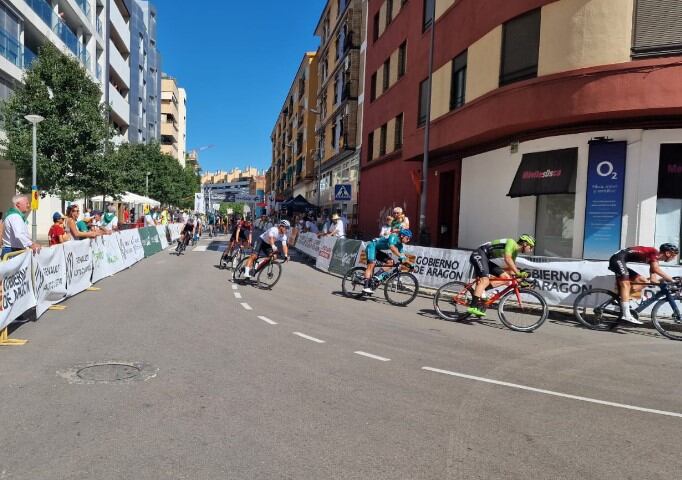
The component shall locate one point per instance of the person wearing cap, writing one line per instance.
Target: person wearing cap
(336, 229)
(57, 234)
(400, 220)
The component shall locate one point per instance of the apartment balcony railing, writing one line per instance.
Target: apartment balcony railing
(67, 36)
(29, 57)
(83, 4)
(98, 25)
(43, 9)
(10, 48)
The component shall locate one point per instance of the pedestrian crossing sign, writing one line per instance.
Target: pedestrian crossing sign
(342, 192)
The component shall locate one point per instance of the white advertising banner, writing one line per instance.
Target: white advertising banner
(16, 292)
(436, 266)
(324, 255)
(100, 267)
(49, 277)
(309, 244)
(127, 240)
(78, 266)
(161, 229)
(199, 204)
(115, 262)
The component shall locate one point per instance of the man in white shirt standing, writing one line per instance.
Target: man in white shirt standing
(336, 229)
(16, 235)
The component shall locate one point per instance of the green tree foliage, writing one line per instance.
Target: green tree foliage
(73, 136)
(237, 208)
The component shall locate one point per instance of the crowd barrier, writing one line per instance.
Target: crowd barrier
(55, 273)
(558, 280)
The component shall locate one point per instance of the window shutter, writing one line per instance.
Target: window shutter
(658, 28)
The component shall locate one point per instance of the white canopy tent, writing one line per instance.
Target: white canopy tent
(128, 198)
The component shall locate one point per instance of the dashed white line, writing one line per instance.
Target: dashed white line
(235, 287)
(308, 337)
(375, 357)
(246, 306)
(556, 394)
(267, 320)
(237, 295)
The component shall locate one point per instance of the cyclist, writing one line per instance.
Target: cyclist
(187, 232)
(268, 246)
(625, 276)
(377, 250)
(240, 233)
(480, 259)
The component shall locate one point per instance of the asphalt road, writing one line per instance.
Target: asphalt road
(228, 392)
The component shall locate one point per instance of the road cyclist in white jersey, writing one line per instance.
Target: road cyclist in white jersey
(268, 244)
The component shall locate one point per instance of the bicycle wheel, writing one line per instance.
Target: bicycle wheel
(522, 313)
(238, 272)
(353, 282)
(452, 300)
(667, 322)
(269, 275)
(597, 309)
(401, 288)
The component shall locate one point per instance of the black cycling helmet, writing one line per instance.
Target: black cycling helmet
(669, 247)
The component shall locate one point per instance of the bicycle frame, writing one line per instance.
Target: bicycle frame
(379, 268)
(663, 292)
(513, 285)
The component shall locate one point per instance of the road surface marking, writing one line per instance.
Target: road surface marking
(235, 287)
(237, 295)
(307, 337)
(246, 306)
(375, 357)
(200, 248)
(556, 394)
(267, 320)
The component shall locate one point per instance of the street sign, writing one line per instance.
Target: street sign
(342, 192)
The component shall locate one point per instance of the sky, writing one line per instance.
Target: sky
(237, 60)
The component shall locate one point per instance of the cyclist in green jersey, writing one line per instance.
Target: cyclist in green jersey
(505, 248)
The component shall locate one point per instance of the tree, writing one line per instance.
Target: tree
(237, 208)
(73, 137)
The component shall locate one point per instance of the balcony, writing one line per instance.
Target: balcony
(120, 25)
(10, 48)
(43, 9)
(119, 105)
(84, 6)
(119, 65)
(67, 36)
(29, 57)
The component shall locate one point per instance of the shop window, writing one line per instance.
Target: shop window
(668, 221)
(669, 195)
(554, 225)
(657, 30)
(459, 81)
(520, 48)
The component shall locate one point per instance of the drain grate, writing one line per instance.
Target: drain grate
(108, 372)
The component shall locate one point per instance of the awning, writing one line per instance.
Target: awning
(131, 198)
(670, 171)
(545, 173)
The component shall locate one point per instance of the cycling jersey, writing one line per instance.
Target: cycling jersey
(273, 232)
(618, 261)
(380, 244)
(500, 248)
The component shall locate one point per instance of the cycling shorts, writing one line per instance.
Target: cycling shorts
(243, 234)
(373, 254)
(265, 248)
(483, 267)
(619, 266)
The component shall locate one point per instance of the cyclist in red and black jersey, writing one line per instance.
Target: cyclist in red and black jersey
(241, 233)
(625, 276)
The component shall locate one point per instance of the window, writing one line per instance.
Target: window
(429, 7)
(373, 87)
(459, 81)
(402, 57)
(669, 195)
(389, 12)
(554, 225)
(387, 72)
(423, 102)
(657, 28)
(382, 140)
(520, 48)
(398, 132)
(375, 33)
(370, 147)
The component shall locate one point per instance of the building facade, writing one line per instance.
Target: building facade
(341, 30)
(294, 156)
(557, 118)
(182, 126)
(172, 125)
(231, 176)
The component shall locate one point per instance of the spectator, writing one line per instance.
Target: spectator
(399, 220)
(77, 229)
(126, 215)
(149, 219)
(164, 217)
(15, 236)
(336, 229)
(110, 220)
(132, 218)
(386, 228)
(96, 222)
(57, 234)
(311, 226)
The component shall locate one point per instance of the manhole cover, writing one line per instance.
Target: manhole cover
(109, 372)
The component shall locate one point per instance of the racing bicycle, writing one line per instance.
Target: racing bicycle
(231, 257)
(400, 287)
(519, 307)
(266, 271)
(182, 244)
(599, 308)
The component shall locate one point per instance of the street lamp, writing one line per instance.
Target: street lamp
(35, 120)
(146, 185)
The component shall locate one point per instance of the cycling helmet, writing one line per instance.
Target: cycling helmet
(669, 247)
(529, 239)
(405, 232)
(285, 224)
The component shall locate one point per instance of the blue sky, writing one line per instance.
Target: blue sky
(236, 59)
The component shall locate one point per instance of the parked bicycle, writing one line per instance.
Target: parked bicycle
(600, 309)
(519, 307)
(266, 271)
(400, 287)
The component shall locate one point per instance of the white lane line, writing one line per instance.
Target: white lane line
(237, 295)
(307, 337)
(246, 306)
(375, 357)
(556, 394)
(235, 287)
(267, 320)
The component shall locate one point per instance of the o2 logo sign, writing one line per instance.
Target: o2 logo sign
(606, 169)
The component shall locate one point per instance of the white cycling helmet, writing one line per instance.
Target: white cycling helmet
(285, 224)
